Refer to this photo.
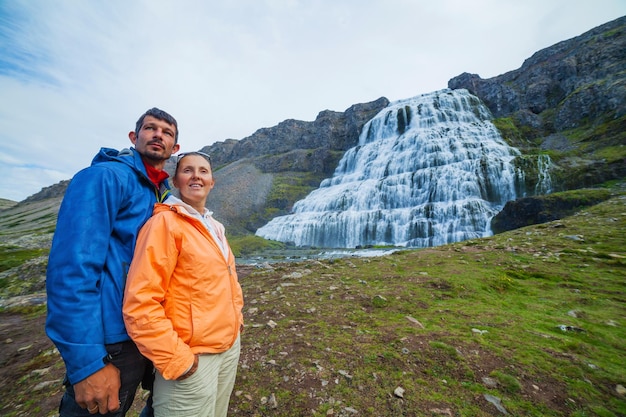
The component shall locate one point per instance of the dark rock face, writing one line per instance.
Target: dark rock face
(282, 145)
(541, 209)
(578, 80)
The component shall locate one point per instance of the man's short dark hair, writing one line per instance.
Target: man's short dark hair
(159, 115)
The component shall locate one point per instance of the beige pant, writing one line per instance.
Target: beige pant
(206, 393)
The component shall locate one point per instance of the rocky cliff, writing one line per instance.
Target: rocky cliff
(568, 100)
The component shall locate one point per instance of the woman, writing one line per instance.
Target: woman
(183, 302)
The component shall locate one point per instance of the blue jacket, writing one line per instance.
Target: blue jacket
(104, 207)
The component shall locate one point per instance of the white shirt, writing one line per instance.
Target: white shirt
(207, 220)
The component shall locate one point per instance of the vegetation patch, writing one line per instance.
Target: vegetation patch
(12, 256)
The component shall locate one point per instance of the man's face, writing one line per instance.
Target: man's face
(156, 141)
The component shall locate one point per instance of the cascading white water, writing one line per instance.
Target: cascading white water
(427, 171)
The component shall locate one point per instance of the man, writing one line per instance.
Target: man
(104, 207)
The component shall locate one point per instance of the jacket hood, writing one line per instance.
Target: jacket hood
(128, 156)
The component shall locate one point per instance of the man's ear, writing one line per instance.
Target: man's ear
(175, 148)
(132, 137)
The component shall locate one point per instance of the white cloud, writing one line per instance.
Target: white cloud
(75, 75)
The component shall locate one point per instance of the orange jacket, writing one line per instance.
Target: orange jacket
(182, 296)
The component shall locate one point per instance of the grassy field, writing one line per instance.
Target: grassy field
(534, 318)
(530, 322)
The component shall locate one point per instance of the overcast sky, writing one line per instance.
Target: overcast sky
(76, 74)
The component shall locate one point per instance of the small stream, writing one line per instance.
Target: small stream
(298, 255)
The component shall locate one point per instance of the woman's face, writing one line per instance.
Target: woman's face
(194, 179)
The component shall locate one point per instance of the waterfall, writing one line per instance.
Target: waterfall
(544, 180)
(427, 171)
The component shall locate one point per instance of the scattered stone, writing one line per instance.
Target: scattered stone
(489, 382)
(9, 340)
(415, 321)
(272, 324)
(497, 402)
(345, 374)
(24, 348)
(350, 410)
(45, 384)
(441, 411)
(567, 328)
(40, 372)
(480, 332)
(271, 402)
(572, 313)
(399, 392)
(620, 390)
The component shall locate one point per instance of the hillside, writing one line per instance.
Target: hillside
(528, 322)
(4, 203)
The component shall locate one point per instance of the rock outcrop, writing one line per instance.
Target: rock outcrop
(299, 145)
(564, 86)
